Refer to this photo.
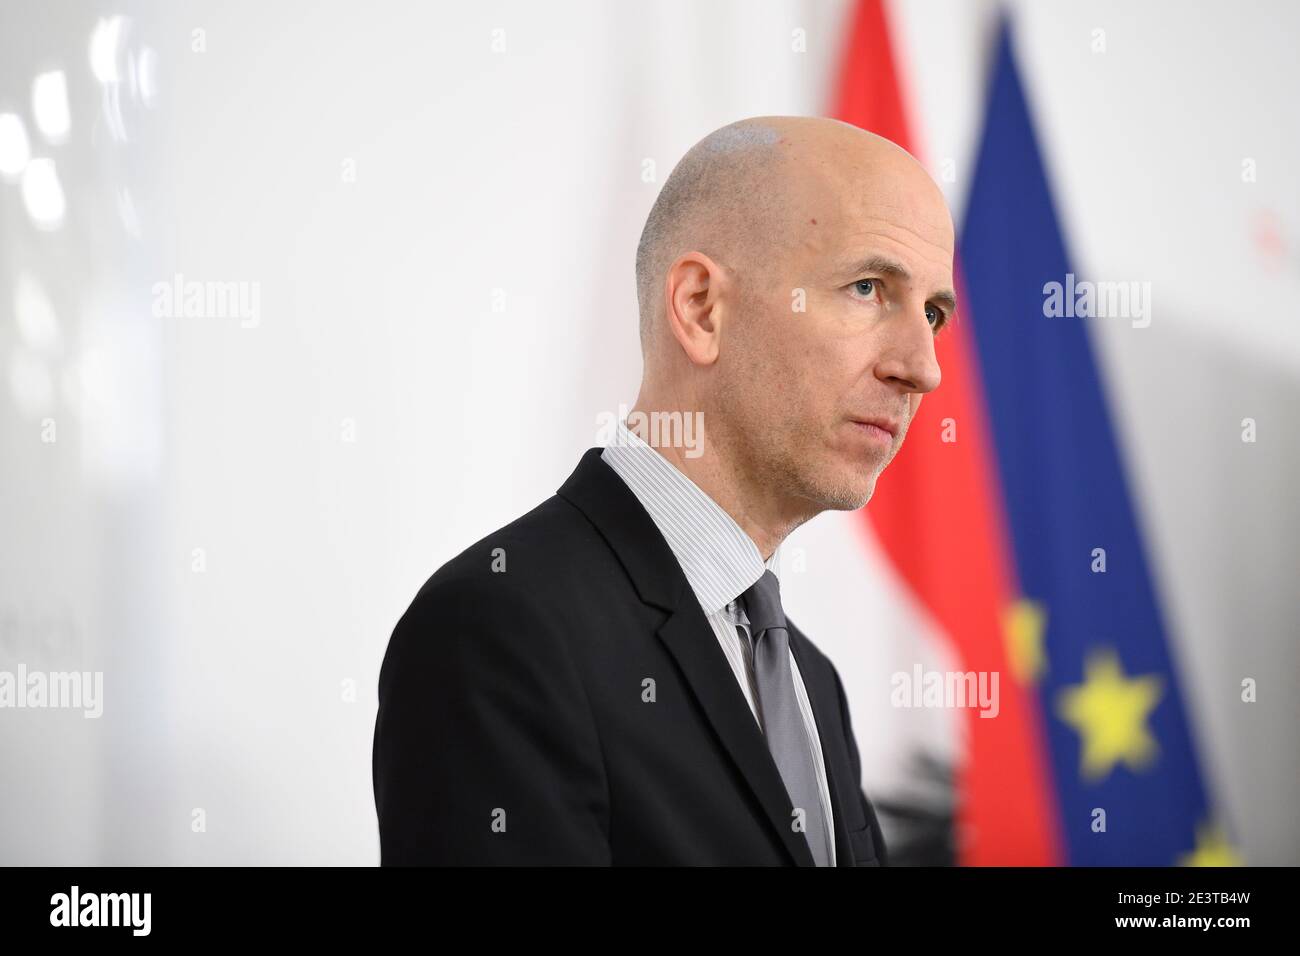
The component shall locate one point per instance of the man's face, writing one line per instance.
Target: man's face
(835, 345)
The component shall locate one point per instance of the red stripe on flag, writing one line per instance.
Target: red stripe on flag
(937, 513)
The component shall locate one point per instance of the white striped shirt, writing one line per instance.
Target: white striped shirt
(720, 562)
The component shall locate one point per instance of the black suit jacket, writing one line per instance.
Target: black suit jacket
(514, 725)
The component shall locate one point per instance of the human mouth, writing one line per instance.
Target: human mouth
(882, 430)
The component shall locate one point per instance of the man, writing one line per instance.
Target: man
(610, 679)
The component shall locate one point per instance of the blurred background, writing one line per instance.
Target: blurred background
(290, 293)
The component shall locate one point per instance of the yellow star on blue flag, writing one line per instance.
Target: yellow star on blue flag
(1110, 711)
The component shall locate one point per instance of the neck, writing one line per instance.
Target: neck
(760, 510)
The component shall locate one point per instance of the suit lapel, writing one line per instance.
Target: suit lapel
(597, 491)
(689, 637)
(820, 693)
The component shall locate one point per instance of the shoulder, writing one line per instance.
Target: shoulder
(525, 575)
(518, 559)
(487, 619)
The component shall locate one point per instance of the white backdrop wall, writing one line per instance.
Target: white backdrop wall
(439, 206)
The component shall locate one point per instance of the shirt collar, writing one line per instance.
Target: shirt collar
(719, 559)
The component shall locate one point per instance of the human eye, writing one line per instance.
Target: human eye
(936, 316)
(867, 287)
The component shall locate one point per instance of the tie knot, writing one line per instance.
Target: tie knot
(763, 604)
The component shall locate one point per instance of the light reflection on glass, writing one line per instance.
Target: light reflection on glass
(14, 149)
(43, 194)
(34, 314)
(104, 43)
(50, 105)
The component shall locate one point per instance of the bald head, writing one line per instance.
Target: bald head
(738, 194)
(721, 198)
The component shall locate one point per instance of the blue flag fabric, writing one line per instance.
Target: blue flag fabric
(1125, 770)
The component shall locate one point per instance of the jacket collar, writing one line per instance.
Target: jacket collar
(718, 557)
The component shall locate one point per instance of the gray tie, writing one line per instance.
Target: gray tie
(787, 737)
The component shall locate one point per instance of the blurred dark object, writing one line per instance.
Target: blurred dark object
(918, 823)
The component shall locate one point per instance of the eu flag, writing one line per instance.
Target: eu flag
(1089, 630)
